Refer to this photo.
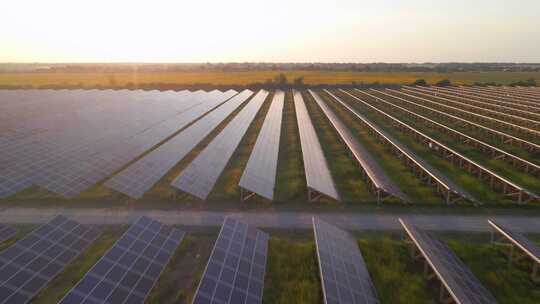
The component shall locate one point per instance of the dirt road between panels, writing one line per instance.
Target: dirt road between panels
(271, 219)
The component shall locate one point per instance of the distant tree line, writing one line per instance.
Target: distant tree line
(268, 66)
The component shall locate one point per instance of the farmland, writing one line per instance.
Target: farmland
(217, 78)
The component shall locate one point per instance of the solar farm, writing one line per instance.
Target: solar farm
(416, 145)
(471, 149)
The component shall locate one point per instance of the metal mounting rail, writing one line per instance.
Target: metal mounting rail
(496, 153)
(509, 109)
(522, 123)
(450, 192)
(504, 137)
(496, 182)
(512, 239)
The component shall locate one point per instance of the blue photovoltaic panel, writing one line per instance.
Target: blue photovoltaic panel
(236, 269)
(260, 173)
(200, 176)
(129, 270)
(318, 175)
(6, 233)
(344, 275)
(139, 177)
(459, 281)
(29, 264)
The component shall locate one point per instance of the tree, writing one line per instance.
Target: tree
(420, 82)
(280, 79)
(299, 81)
(444, 83)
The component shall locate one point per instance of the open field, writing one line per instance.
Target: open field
(292, 274)
(244, 78)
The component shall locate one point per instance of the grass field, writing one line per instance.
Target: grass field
(243, 78)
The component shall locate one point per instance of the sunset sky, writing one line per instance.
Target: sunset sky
(278, 31)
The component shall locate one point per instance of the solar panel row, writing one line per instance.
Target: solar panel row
(523, 131)
(478, 95)
(344, 274)
(506, 138)
(461, 284)
(497, 182)
(318, 176)
(530, 124)
(513, 110)
(200, 176)
(139, 177)
(260, 173)
(6, 233)
(372, 169)
(446, 186)
(71, 159)
(23, 160)
(519, 240)
(129, 270)
(236, 269)
(100, 162)
(29, 264)
(520, 163)
(517, 97)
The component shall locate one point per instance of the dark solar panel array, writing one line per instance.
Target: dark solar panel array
(518, 239)
(6, 233)
(318, 176)
(370, 165)
(344, 275)
(70, 152)
(200, 176)
(129, 270)
(236, 269)
(458, 280)
(140, 176)
(260, 173)
(29, 264)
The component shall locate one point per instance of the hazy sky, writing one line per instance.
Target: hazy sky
(278, 30)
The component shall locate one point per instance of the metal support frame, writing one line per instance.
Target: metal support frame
(428, 272)
(513, 254)
(246, 194)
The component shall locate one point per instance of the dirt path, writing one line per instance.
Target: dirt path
(267, 219)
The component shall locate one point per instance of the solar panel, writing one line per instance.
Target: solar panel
(6, 233)
(371, 167)
(318, 176)
(519, 240)
(444, 185)
(22, 161)
(200, 176)
(29, 264)
(87, 170)
(129, 270)
(260, 173)
(144, 173)
(460, 283)
(236, 269)
(344, 275)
